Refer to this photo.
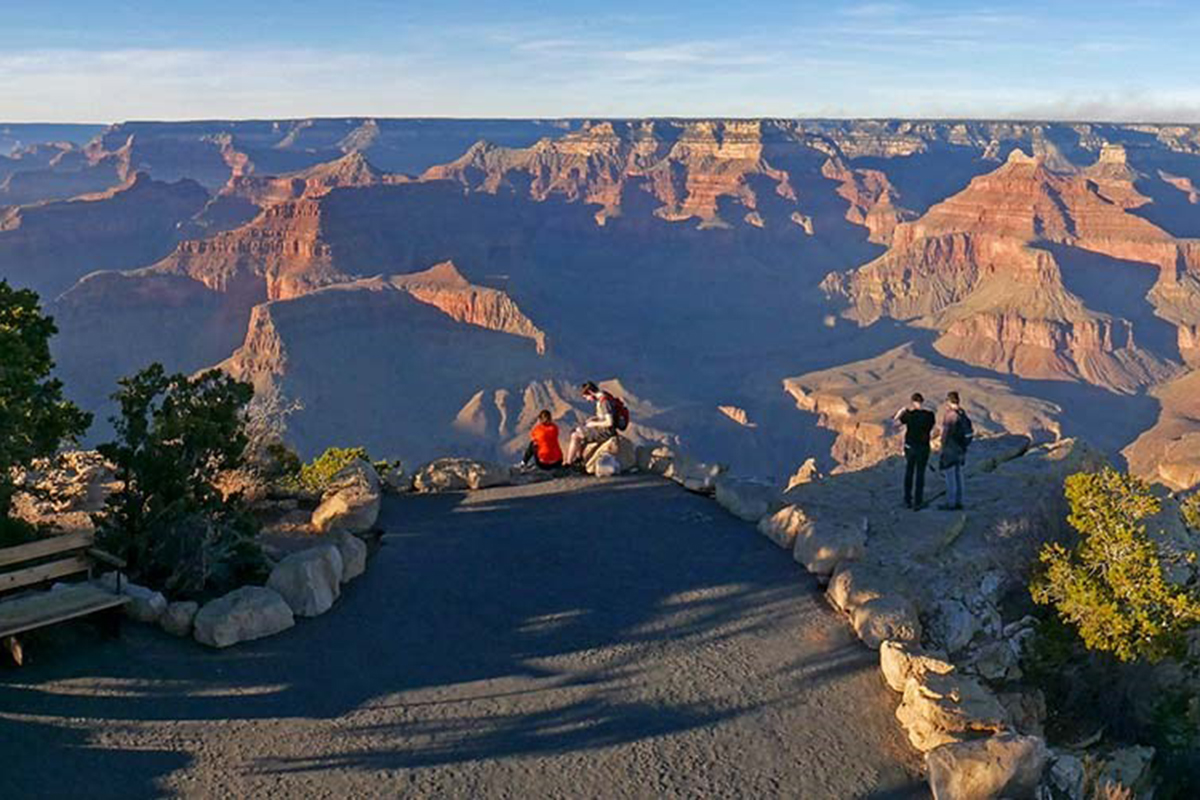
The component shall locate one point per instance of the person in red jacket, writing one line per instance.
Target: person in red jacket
(543, 447)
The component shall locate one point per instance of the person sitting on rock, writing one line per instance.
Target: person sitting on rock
(543, 447)
(918, 423)
(956, 434)
(599, 428)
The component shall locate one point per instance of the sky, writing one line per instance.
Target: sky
(88, 61)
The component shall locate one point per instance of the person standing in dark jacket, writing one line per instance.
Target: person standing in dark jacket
(956, 437)
(918, 423)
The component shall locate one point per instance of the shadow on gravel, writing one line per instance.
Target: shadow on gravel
(464, 590)
(52, 761)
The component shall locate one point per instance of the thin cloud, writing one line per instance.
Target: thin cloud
(873, 10)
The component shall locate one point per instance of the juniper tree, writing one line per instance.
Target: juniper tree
(35, 418)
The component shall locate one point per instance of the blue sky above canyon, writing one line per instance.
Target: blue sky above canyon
(84, 61)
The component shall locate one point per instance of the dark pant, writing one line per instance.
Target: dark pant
(916, 459)
(531, 455)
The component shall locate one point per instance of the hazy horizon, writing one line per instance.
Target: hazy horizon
(928, 59)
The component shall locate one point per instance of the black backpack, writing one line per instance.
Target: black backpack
(964, 430)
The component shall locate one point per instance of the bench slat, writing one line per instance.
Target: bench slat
(44, 547)
(48, 608)
(43, 572)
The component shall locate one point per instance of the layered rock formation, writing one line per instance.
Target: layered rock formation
(388, 362)
(1169, 452)
(49, 247)
(715, 173)
(280, 254)
(681, 255)
(1006, 268)
(58, 171)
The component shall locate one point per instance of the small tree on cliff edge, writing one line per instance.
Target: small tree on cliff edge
(175, 435)
(1110, 586)
(34, 417)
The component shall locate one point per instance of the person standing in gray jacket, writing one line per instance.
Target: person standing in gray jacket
(956, 434)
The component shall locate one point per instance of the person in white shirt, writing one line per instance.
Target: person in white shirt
(599, 428)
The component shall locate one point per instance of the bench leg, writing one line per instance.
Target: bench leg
(110, 622)
(13, 647)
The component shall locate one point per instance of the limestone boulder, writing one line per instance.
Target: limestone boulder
(807, 473)
(857, 582)
(695, 476)
(244, 614)
(178, 617)
(354, 555)
(145, 605)
(352, 501)
(619, 449)
(460, 474)
(747, 499)
(656, 460)
(822, 544)
(889, 618)
(782, 526)
(994, 661)
(605, 466)
(1067, 775)
(396, 480)
(1004, 765)
(310, 580)
(899, 661)
(938, 709)
(952, 625)
(1127, 767)
(1026, 708)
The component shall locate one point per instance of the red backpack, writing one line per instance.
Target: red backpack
(620, 412)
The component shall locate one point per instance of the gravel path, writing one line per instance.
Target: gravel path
(570, 639)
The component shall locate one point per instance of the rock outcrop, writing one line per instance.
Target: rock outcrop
(351, 502)
(938, 709)
(49, 247)
(1006, 268)
(857, 401)
(1006, 765)
(68, 489)
(717, 173)
(459, 474)
(1169, 452)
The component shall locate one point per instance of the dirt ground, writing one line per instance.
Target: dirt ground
(578, 638)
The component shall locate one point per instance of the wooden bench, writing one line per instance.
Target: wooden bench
(30, 566)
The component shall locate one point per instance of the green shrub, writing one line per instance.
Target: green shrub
(315, 475)
(34, 418)
(175, 436)
(1110, 586)
(1191, 512)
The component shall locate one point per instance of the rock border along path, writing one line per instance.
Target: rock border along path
(887, 570)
